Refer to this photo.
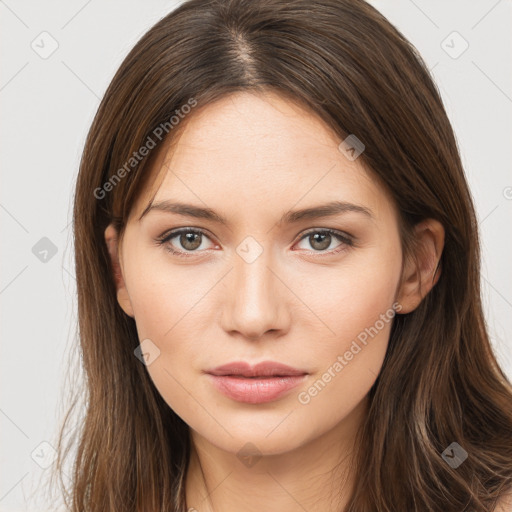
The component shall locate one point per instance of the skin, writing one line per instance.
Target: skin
(252, 158)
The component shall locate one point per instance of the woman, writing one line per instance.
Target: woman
(278, 278)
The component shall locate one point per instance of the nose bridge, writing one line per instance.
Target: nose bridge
(256, 302)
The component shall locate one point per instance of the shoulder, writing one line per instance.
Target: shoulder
(504, 504)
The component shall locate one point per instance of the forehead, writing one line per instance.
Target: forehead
(253, 152)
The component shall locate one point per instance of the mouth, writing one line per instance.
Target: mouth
(235, 376)
(264, 382)
(264, 369)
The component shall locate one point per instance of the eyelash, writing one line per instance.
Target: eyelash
(347, 240)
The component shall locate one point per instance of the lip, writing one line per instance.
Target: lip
(263, 369)
(264, 382)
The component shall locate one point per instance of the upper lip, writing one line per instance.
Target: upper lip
(263, 369)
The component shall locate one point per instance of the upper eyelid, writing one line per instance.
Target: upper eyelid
(338, 232)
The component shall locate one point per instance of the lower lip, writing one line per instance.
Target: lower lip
(255, 390)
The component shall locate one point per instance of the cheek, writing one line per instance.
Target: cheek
(356, 309)
(348, 364)
(162, 297)
(351, 297)
(167, 310)
(171, 310)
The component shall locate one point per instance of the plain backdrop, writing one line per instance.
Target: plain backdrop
(57, 58)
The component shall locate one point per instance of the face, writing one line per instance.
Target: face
(281, 278)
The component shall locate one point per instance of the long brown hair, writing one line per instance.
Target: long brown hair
(440, 382)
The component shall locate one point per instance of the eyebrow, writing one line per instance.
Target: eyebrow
(325, 210)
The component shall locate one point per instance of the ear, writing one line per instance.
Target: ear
(111, 239)
(421, 269)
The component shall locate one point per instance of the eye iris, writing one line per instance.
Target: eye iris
(190, 241)
(322, 237)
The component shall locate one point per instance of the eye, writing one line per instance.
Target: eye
(190, 240)
(321, 239)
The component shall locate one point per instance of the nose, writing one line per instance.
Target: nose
(256, 299)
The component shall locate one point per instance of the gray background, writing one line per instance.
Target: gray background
(48, 103)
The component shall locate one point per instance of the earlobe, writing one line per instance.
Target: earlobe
(111, 239)
(423, 268)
